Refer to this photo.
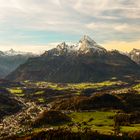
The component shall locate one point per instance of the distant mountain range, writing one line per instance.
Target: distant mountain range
(84, 62)
(10, 60)
(12, 52)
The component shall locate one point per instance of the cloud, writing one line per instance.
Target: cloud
(123, 27)
(105, 8)
(56, 14)
(47, 15)
(127, 28)
(18, 18)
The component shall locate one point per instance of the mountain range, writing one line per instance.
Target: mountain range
(84, 62)
(12, 52)
(10, 60)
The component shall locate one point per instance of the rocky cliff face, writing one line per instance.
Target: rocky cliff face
(135, 55)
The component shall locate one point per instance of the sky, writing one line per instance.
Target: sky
(38, 25)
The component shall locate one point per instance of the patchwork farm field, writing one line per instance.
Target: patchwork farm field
(109, 108)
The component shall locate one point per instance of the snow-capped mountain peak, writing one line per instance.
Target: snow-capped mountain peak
(65, 47)
(12, 52)
(87, 39)
(86, 44)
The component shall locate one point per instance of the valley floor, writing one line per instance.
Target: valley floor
(110, 108)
